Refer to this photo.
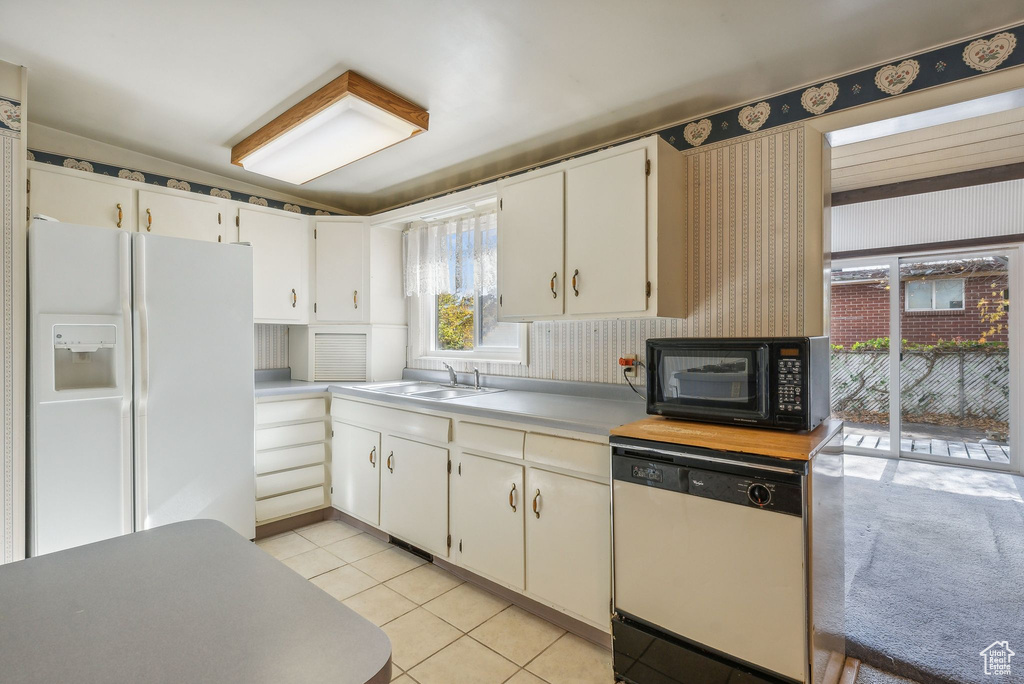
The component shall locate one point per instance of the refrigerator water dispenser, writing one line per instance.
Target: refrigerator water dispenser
(84, 357)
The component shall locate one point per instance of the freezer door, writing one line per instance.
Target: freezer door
(193, 334)
(80, 408)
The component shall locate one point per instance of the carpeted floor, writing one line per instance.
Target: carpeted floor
(934, 568)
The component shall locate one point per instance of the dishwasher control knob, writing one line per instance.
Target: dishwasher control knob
(759, 494)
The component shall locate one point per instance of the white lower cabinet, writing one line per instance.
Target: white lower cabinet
(414, 493)
(355, 472)
(568, 543)
(487, 517)
(291, 457)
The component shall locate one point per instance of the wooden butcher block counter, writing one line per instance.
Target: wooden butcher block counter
(801, 446)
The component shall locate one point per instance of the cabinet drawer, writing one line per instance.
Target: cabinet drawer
(290, 435)
(490, 440)
(289, 481)
(289, 411)
(291, 457)
(287, 504)
(574, 454)
(429, 428)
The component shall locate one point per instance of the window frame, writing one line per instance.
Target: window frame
(423, 329)
(932, 308)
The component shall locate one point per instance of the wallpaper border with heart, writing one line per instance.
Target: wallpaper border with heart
(940, 66)
(104, 169)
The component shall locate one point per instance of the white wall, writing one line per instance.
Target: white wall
(975, 212)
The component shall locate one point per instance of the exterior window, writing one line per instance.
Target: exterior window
(450, 275)
(935, 295)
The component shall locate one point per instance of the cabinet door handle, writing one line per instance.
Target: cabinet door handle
(149, 220)
(575, 275)
(391, 467)
(373, 461)
(355, 299)
(295, 298)
(554, 276)
(120, 214)
(536, 504)
(512, 497)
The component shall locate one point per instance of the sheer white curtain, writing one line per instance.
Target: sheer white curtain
(458, 255)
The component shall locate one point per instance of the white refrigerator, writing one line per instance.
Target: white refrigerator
(141, 384)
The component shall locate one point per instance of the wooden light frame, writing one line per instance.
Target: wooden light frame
(349, 83)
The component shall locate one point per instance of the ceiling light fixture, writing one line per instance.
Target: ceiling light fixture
(346, 120)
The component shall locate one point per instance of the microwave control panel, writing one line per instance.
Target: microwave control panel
(789, 383)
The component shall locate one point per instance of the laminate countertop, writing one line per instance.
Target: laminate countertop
(745, 440)
(188, 602)
(588, 415)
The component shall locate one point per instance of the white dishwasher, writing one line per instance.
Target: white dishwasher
(711, 565)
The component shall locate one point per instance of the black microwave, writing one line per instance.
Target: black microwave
(777, 382)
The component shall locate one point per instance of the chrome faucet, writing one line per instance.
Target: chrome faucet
(451, 375)
(476, 378)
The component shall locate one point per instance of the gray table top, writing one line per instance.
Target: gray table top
(188, 602)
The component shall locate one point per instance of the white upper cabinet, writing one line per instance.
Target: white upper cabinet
(342, 248)
(280, 264)
(608, 225)
(74, 198)
(606, 235)
(193, 216)
(530, 247)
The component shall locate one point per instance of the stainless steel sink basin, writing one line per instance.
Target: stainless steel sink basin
(404, 387)
(429, 390)
(451, 393)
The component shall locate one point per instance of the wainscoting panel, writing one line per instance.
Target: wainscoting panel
(271, 346)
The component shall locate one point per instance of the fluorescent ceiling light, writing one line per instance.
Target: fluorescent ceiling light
(346, 120)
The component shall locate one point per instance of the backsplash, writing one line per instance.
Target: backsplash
(271, 346)
(581, 351)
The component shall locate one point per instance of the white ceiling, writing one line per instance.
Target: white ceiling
(979, 142)
(507, 83)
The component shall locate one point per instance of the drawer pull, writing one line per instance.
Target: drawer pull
(120, 215)
(575, 275)
(373, 454)
(554, 276)
(536, 504)
(295, 298)
(512, 497)
(355, 299)
(391, 457)
(149, 220)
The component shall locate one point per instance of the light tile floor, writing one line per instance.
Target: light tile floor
(442, 630)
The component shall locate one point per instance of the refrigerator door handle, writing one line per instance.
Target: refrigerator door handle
(142, 381)
(125, 381)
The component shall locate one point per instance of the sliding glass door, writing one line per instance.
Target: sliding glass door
(925, 362)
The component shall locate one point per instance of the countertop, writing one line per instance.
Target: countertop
(178, 604)
(273, 388)
(563, 411)
(745, 440)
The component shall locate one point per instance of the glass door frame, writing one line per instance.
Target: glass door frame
(892, 261)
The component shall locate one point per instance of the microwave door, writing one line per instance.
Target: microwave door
(728, 381)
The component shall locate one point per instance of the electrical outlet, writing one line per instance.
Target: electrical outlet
(628, 363)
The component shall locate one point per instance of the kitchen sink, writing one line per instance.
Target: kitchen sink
(404, 387)
(453, 393)
(429, 390)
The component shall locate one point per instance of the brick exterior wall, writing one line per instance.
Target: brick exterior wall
(860, 311)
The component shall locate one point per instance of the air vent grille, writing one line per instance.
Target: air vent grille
(340, 356)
